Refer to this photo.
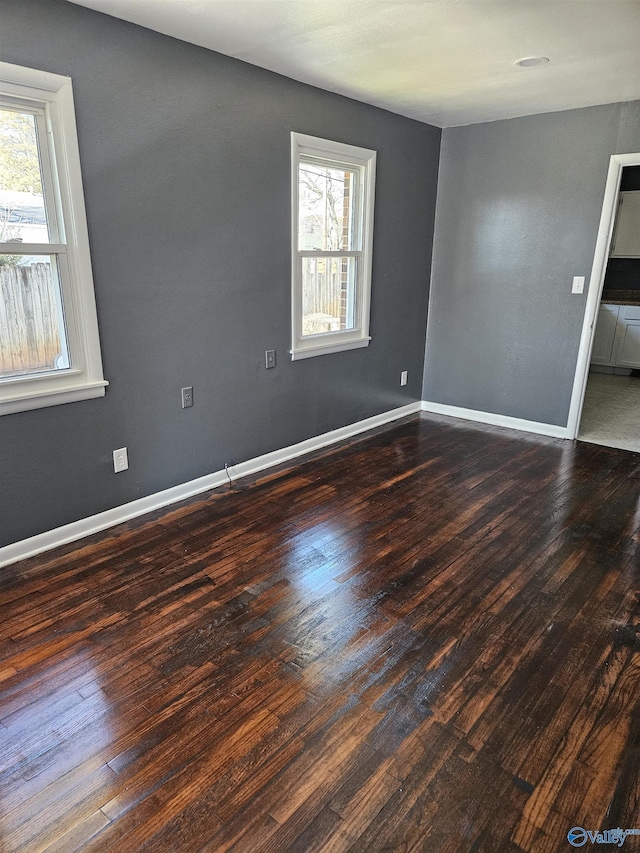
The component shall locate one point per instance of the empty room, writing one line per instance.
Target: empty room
(305, 542)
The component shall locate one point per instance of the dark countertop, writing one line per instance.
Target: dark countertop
(620, 297)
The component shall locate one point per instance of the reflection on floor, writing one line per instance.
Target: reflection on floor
(611, 413)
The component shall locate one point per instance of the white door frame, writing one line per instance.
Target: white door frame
(596, 283)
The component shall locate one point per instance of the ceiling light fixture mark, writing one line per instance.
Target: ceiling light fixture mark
(532, 61)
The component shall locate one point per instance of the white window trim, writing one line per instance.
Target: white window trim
(331, 342)
(84, 380)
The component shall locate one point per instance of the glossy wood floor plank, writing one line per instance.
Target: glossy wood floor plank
(423, 640)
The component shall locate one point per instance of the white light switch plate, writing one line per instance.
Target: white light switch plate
(578, 284)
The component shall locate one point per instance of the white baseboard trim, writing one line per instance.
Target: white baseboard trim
(495, 420)
(109, 518)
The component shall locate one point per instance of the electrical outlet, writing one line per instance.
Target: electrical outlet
(270, 359)
(120, 460)
(187, 397)
(404, 377)
(578, 284)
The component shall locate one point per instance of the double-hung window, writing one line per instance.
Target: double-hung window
(49, 345)
(333, 187)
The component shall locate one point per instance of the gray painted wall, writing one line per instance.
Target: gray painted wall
(518, 207)
(185, 157)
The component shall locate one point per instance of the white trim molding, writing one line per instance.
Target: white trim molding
(49, 99)
(495, 420)
(111, 517)
(311, 352)
(361, 163)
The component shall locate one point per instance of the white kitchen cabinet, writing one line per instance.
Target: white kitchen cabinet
(626, 235)
(603, 341)
(617, 339)
(628, 354)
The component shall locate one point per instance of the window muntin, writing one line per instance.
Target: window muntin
(332, 199)
(49, 345)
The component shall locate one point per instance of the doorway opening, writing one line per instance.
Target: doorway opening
(605, 403)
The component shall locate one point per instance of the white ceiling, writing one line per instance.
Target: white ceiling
(445, 62)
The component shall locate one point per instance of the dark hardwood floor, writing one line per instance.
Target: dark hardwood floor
(424, 640)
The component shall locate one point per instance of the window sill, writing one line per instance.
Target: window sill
(326, 349)
(51, 397)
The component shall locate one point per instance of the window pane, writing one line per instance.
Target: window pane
(328, 294)
(326, 208)
(23, 217)
(32, 333)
